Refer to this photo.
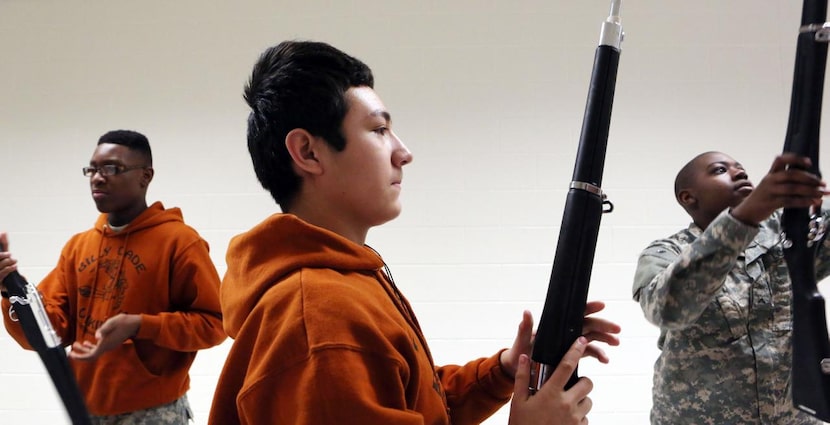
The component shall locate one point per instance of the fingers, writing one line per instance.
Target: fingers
(583, 407)
(524, 336)
(569, 362)
(523, 343)
(599, 325)
(798, 194)
(105, 329)
(83, 351)
(596, 329)
(788, 184)
(577, 398)
(597, 353)
(521, 385)
(790, 172)
(789, 159)
(7, 263)
(594, 306)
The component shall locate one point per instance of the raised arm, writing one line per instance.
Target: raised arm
(675, 280)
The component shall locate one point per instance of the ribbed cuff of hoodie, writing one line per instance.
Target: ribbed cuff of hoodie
(150, 327)
(493, 379)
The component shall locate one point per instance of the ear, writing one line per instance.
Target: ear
(303, 148)
(147, 176)
(687, 199)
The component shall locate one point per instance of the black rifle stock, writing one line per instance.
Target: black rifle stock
(28, 309)
(564, 310)
(811, 345)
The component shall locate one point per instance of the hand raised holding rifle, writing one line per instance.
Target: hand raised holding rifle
(554, 402)
(7, 263)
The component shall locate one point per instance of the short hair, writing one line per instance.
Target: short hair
(685, 177)
(297, 84)
(131, 139)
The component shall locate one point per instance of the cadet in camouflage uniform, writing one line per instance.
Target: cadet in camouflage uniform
(720, 293)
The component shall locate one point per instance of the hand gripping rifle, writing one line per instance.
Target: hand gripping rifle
(811, 345)
(27, 308)
(564, 309)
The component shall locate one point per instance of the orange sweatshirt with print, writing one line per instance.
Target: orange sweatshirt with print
(322, 336)
(157, 267)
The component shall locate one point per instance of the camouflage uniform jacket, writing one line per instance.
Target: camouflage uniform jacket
(722, 300)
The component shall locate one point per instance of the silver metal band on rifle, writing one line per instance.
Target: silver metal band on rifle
(822, 31)
(543, 373)
(588, 187)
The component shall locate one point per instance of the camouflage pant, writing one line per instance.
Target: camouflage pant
(174, 413)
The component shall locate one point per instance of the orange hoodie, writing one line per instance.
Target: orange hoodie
(157, 267)
(322, 336)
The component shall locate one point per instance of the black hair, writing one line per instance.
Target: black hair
(131, 139)
(685, 177)
(297, 84)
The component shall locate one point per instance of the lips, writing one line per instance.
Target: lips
(744, 187)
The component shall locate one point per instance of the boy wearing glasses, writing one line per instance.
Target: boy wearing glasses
(322, 334)
(136, 296)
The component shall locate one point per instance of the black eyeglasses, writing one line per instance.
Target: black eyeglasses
(109, 170)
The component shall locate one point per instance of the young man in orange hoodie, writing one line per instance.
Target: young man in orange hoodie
(136, 296)
(322, 334)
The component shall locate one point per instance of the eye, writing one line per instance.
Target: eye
(110, 170)
(720, 169)
(381, 131)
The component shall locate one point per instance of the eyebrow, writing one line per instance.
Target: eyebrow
(726, 164)
(381, 113)
(107, 161)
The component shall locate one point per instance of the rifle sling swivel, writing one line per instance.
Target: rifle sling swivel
(822, 31)
(596, 190)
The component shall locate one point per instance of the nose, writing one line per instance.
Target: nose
(96, 177)
(401, 156)
(739, 174)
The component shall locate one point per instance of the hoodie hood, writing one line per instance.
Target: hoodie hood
(278, 246)
(153, 216)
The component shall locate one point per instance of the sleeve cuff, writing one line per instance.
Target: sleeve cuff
(493, 379)
(150, 327)
(732, 231)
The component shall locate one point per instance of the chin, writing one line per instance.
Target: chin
(391, 215)
(103, 207)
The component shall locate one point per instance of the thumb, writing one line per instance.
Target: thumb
(569, 362)
(105, 329)
(521, 384)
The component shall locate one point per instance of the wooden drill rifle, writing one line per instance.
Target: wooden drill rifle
(564, 309)
(811, 345)
(27, 308)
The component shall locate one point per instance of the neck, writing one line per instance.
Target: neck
(320, 216)
(121, 218)
(704, 222)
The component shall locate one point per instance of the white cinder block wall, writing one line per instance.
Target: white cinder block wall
(489, 96)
